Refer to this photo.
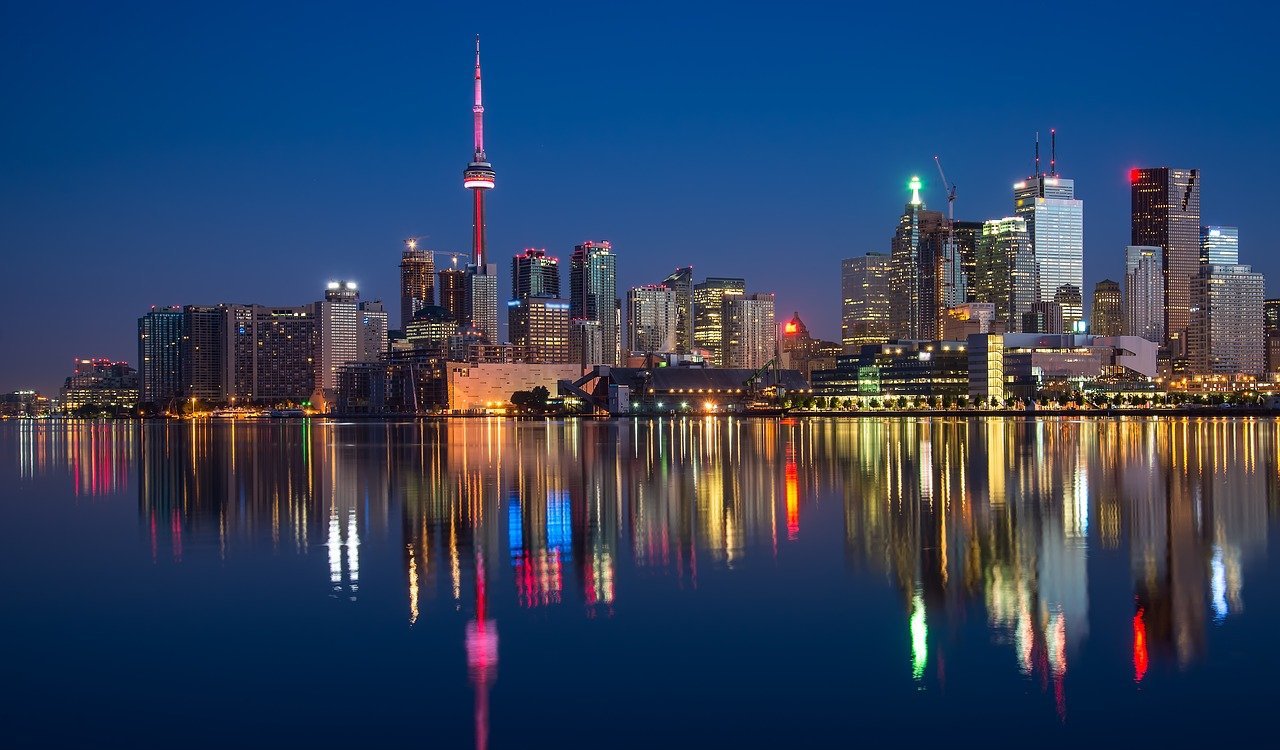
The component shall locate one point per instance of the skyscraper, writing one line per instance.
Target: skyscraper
(1271, 324)
(750, 331)
(708, 314)
(1144, 288)
(533, 274)
(1008, 275)
(338, 332)
(417, 281)
(920, 259)
(1108, 312)
(967, 236)
(540, 325)
(1219, 246)
(586, 342)
(373, 331)
(1070, 300)
(1225, 335)
(652, 314)
(453, 292)
(160, 334)
(204, 352)
(864, 291)
(680, 281)
(481, 301)
(1055, 223)
(1165, 213)
(593, 293)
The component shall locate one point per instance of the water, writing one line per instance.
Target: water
(688, 583)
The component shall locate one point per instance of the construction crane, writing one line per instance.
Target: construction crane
(411, 243)
(951, 190)
(953, 255)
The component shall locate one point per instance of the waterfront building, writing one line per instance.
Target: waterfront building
(1144, 290)
(1165, 213)
(864, 314)
(750, 331)
(593, 294)
(922, 271)
(652, 316)
(203, 352)
(542, 326)
(100, 384)
(338, 331)
(1108, 310)
(480, 388)
(1226, 334)
(680, 282)
(417, 281)
(24, 403)
(1219, 246)
(1008, 274)
(270, 354)
(1055, 224)
(709, 298)
(586, 342)
(160, 334)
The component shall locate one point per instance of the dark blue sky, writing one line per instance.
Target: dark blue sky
(177, 153)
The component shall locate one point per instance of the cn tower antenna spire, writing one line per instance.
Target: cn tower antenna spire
(478, 108)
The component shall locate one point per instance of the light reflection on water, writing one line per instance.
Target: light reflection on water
(990, 522)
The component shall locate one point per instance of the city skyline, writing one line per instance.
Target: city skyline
(236, 191)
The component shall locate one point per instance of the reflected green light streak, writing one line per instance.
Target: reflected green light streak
(919, 637)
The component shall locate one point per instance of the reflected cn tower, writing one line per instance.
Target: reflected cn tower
(478, 176)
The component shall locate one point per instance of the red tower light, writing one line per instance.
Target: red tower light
(1135, 174)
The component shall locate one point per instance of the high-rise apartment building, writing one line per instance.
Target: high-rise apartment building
(1108, 310)
(1225, 335)
(540, 326)
(1144, 289)
(586, 342)
(431, 328)
(417, 281)
(1055, 224)
(593, 293)
(750, 330)
(453, 292)
(708, 314)
(1271, 325)
(373, 331)
(1165, 213)
(652, 316)
(338, 333)
(480, 303)
(1219, 246)
(160, 334)
(534, 274)
(680, 281)
(204, 352)
(1070, 300)
(1008, 275)
(864, 292)
(967, 236)
(270, 353)
(922, 271)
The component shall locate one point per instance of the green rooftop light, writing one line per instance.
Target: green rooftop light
(914, 186)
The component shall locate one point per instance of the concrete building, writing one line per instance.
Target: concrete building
(1226, 334)
(160, 334)
(864, 313)
(478, 388)
(338, 332)
(750, 331)
(1144, 290)
(1108, 309)
(708, 312)
(542, 326)
(652, 319)
(270, 353)
(100, 384)
(586, 343)
(204, 352)
(373, 331)
(971, 317)
(452, 283)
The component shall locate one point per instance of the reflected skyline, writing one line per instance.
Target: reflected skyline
(994, 523)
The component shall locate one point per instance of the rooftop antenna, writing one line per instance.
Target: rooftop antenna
(1053, 151)
(1037, 173)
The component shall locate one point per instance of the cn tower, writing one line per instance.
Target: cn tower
(478, 176)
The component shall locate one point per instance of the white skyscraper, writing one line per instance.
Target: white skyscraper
(339, 333)
(1219, 246)
(1055, 223)
(750, 332)
(1225, 336)
(481, 301)
(652, 313)
(1144, 301)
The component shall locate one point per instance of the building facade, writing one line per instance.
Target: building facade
(593, 294)
(542, 326)
(652, 316)
(338, 331)
(452, 283)
(1144, 288)
(922, 271)
(1108, 310)
(160, 334)
(586, 342)
(535, 274)
(864, 292)
(680, 282)
(373, 331)
(417, 281)
(750, 330)
(709, 298)
(1226, 335)
(1219, 246)
(1165, 213)
(1055, 224)
(481, 301)
(1008, 274)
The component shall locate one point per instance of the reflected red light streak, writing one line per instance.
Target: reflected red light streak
(1140, 660)
(793, 497)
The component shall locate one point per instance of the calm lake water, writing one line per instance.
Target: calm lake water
(688, 583)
